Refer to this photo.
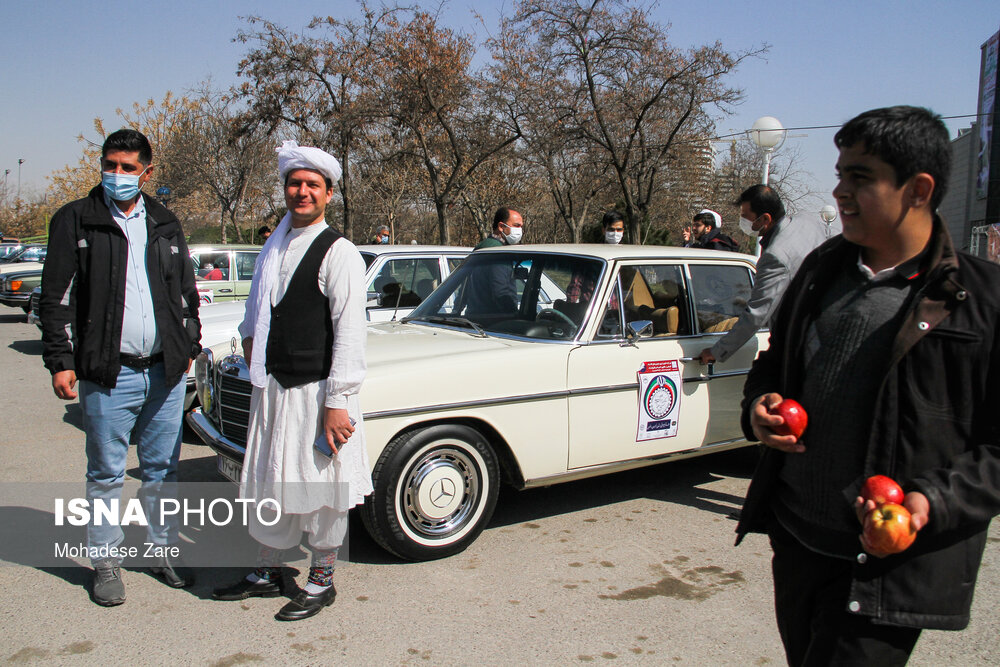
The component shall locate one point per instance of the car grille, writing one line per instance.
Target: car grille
(234, 408)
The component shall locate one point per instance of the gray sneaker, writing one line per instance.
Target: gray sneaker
(108, 587)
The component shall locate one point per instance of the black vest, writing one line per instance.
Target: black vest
(300, 343)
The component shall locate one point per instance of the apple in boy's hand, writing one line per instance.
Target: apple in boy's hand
(882, 490)
(887, 529)
(794, 415)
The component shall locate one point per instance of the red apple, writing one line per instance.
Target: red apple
(882, 490)
(794, 415)
(887, 528)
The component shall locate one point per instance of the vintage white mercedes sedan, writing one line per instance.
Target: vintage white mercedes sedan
(529, 365)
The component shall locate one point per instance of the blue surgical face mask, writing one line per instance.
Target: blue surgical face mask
(121, 187)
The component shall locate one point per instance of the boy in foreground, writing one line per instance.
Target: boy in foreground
(889, 339)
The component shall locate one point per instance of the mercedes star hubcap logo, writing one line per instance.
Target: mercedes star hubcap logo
(442, 492)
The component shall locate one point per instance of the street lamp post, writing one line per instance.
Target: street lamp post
(829, 214)
(20, 161)
(768, 134)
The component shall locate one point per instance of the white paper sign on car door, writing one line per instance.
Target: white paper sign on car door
(206, 296)
(659, 399)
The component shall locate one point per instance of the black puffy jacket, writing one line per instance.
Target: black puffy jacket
(83, 291)
(935, 428)
(716, 240)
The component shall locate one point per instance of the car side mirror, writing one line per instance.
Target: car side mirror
(637, 329)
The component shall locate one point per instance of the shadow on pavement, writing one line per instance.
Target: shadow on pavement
(74, 414)
(32, 347)
(677, 482)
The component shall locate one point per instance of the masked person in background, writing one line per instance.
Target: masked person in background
(381, 235)
(614, 227)
(784, 244)
(304, 339)
(507, 229)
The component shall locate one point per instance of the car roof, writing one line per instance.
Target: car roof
(379, 249)
(623, 251)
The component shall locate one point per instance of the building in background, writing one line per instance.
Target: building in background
(971, 206)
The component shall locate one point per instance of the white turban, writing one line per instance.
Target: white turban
(715, 216)
(292, 156)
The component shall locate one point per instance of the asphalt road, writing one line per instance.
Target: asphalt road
(637, 567)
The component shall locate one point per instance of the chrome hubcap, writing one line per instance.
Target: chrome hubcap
(440, 492)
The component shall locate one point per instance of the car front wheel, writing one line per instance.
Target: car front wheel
(435, 491)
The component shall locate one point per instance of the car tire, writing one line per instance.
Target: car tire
(435, 491)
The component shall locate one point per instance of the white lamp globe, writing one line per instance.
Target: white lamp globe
(767, 132)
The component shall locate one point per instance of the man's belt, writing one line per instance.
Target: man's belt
(140, 363)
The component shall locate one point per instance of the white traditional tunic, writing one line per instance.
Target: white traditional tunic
(281, 462)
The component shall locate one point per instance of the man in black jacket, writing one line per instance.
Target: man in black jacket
(890, 340)
(705, 232)
(119, 312)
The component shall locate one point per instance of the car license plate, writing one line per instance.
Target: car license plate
(230, 469)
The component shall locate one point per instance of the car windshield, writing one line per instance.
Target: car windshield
(528, 295)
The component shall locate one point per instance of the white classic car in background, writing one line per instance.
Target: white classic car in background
(530, 364)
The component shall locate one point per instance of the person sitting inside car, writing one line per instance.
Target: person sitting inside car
(213, 272)
(579, 292)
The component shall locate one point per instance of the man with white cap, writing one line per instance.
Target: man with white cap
(704, 232)
(304, 339)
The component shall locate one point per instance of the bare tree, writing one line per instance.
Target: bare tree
(317, 83)
(217, 151)
(628, 91)
(441, 110)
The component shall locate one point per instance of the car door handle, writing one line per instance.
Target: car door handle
(701, 376)
(225, 291)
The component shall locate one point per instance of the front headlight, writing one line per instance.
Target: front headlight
(15, 285)
(203, 385)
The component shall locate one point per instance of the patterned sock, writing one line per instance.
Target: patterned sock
(321, 570)
(268, 565)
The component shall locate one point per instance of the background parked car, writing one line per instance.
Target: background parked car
(9, 248)
(27, 257)
(16, 287)
(586, 364)
(223, 272)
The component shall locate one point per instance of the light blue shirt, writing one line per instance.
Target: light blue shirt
(139, 334)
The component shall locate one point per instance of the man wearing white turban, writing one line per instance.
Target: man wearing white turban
(304, 340)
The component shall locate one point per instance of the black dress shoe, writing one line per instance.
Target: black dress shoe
(304, 605)
(243, 589)
(173, 572)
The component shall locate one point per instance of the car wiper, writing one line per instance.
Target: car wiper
(449, 319)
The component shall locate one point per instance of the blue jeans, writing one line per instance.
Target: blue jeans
(141, 404)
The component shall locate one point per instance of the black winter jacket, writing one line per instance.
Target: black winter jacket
(83, 291)
(716, 240)
(935, 428)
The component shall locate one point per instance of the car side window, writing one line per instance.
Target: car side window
(212, 266)
(656, 292)
(406, 282)
(245, 262)
(720, 294)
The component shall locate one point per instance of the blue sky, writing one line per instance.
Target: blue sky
(67, 62)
